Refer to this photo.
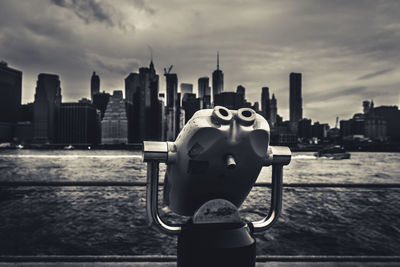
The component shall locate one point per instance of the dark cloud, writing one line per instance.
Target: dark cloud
(141, 4)
(92, 11)
(374, 74)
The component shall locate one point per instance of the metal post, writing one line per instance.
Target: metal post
(152, 200)
(276, 201)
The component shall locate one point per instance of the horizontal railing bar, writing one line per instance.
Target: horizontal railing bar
(102, 258)
(335, 185)
(329, 258)
(138, 183)
(172, 258)
(70, 183)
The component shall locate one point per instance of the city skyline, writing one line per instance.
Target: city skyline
(346, 51)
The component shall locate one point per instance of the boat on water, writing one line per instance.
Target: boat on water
(334, 152)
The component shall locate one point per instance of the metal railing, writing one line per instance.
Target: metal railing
(172, 258)
(143, 184)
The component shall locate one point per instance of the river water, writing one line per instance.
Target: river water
(112, 220)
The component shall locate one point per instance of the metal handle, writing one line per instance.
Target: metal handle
(153, 154)
(152, 200)
(277, 157)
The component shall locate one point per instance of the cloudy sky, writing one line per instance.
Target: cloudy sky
(348, 51)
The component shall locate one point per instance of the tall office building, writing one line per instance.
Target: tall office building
(78, 124)
(190, 104)
(203, 87)
(171, 80)
(366, 106)
(173, 106)
(100, 101)
(204, 91)
(10, 101)
(295, 101)
(217, 80)
(274, 111)
(265, 104)
(114, 126)
(46, 108)
(240, 90)
(230, 100)
(186, 88)
(94, 85)
(143, 105)
(10, 93)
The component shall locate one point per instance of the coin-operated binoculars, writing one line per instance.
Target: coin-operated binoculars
(211, 168)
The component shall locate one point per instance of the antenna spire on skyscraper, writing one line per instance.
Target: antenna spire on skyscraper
(217, 60)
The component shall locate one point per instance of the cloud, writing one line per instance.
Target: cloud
(88, 10)
(374, 74)
(335, 44)
(120, 66)
(141, 4)
(91, 11)
(333, 94)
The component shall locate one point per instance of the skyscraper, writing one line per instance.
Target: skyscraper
(217, 80)
(203, 87)
(295, 101)
(114, 126)
(10, 93)
(143, 105)
(265, 104)
(230, 100)
(274, 111)
(173, 103)
(171, 80)
(240, 90)
(46, 108)
(78, 124)
(204, 91)
(186, 88)
(100, 101)
(190, 104)
(94, 85)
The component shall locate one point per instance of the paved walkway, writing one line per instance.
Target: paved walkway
(157, 264)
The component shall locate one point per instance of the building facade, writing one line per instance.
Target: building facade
(173, 106)
(241, 90)
(46, 108)
(100, 101)
(186, 88)
(190, 104)
(274, 111)
(217, 80)
(78, 124)
(94, 85)
(143, 105)
(230, 100)
(204, 91)
(265, 104)
(295, 99)
(10, 93)
(114, 126)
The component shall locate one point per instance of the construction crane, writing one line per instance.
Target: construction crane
(169, 70)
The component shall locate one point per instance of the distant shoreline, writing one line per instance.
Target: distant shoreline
(138, 147)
